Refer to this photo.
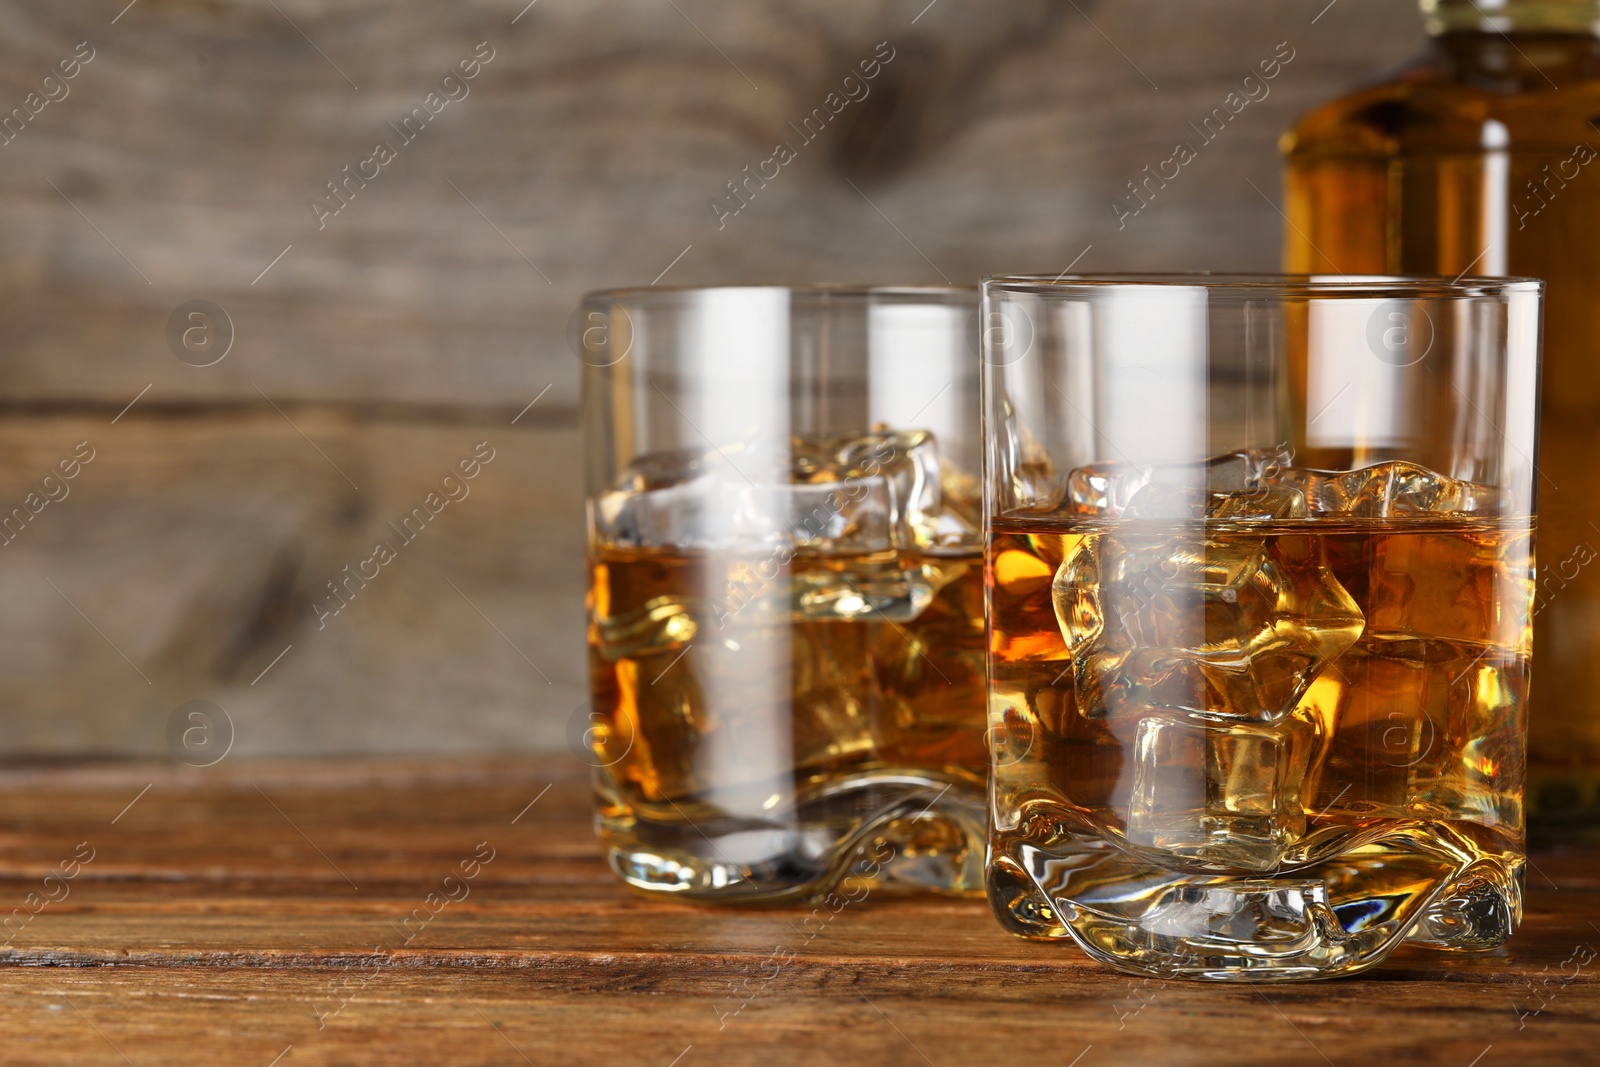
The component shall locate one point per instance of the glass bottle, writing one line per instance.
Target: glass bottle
(1482, 156)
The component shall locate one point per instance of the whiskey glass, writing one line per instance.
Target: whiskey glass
(1260, 568)
(785, 588)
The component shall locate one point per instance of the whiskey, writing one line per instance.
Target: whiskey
(785, 673)
(853, 691)
(1480, 158)
(749, 741)
(1253, 732)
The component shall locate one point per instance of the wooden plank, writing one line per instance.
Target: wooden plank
(191, 553)
(586, 154)
(456, 1015)
(207, 926)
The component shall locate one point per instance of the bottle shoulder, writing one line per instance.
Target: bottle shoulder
(1434, 105)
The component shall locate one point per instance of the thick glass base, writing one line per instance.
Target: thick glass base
(1420, 882)
(883, 827)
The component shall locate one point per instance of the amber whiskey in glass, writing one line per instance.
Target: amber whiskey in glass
(1482, 156)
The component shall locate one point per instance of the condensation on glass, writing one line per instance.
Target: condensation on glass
(785, 589)
(1260, 574)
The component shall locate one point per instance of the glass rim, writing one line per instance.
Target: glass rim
(639, 293)
(1384, 286)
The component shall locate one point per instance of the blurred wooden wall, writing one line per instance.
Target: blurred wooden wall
(186, 557)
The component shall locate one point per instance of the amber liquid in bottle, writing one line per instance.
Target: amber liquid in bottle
(1483, 157)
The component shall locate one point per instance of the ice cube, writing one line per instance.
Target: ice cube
(1227, 798)
(657, 470)
(952, 531)
(858, 502)
(662, 624)
(1267, 502)
(1111, 488)
(669, 515)
(718, 510)
(1103, 488)
(1399, 488)
(1323, 491)
(907, 461)
(1229, 626)
(862, 589)
(841, 493)
(837, 708)
(1035, 483)
(1387, 490)
(854, 516)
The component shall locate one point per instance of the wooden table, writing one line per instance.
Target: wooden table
(257, 913)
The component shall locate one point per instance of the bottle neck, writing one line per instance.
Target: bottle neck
(1512, 16)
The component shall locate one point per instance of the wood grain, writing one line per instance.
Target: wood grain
(191, 552)
(215, 924)
(995, 140)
